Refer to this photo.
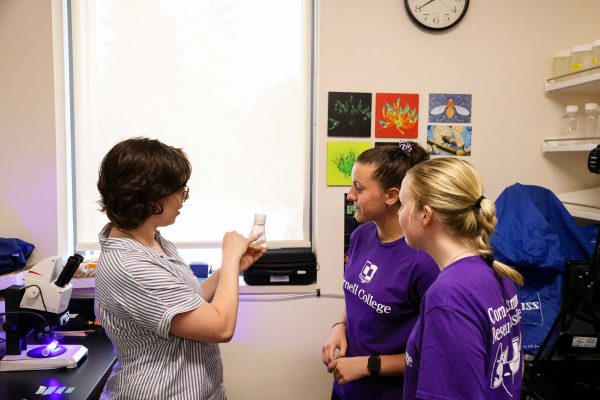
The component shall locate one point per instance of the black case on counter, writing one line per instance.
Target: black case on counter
(290, 266)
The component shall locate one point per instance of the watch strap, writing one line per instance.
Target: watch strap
(374, 365)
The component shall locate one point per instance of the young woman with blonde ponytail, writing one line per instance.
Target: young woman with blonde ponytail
(467, 341)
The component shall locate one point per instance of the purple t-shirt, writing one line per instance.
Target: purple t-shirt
(383, 287)
(467, 342)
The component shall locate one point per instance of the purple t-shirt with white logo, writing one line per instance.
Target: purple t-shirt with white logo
(467, 342)
(383, 287)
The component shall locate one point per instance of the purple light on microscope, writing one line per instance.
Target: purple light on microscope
(50, 348)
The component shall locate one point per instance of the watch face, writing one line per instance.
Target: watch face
(374, 365)
(436, 15)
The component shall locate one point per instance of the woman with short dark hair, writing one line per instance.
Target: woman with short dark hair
(163, 324)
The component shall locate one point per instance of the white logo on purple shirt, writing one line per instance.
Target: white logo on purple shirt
(503, 367)
(367, 272)
(408, 359)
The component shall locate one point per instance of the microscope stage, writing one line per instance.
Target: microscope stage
(68, 359)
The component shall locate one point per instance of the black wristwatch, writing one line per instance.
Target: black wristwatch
(374, 365)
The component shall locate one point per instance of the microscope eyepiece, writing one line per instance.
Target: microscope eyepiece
(69, 270)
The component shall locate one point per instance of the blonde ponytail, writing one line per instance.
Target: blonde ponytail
(487, 221)
(453, 189)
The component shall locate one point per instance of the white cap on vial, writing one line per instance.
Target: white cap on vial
(260, 219)
(562, 53)
(591, 106)
(581, 47)
(572, 108)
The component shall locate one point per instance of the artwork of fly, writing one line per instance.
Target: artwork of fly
(449, 108)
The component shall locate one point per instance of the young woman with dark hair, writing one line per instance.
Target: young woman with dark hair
(384, 281)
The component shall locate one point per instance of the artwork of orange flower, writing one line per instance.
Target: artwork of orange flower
(397, 115)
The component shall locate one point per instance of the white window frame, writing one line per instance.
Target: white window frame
(65, 152)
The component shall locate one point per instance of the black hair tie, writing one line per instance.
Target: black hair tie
(489, 259)
(478, 202)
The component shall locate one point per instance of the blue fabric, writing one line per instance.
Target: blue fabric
(535, 230)
(13, 254)
(537, 235)
(541, 299)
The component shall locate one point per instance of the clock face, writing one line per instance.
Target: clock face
(436, 15)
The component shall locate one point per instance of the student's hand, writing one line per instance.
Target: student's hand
(336, 342)
(349, 369)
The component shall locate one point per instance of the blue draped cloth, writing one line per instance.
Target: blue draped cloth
(13, 254)
(537, 235)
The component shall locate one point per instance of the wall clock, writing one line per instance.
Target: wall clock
(436, 15)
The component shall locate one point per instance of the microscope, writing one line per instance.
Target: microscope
(40, 304)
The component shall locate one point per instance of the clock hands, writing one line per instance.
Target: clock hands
(439, 16)
(418, 8)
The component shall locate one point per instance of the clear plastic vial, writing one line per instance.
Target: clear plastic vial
(581, 57)
(590, 119)
(561, 63)
(259, 229)
(569, 124)
(596, 53)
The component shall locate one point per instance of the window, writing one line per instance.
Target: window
(229, 81)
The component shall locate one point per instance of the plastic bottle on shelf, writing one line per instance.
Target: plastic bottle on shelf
(561, 63)
(581, 57)
(569, 123)
(596, 53)
(259, 228)
(590, 119)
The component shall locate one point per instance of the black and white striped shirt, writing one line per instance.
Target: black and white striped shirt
(138, 291)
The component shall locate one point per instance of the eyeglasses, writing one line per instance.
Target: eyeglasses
(185, 192)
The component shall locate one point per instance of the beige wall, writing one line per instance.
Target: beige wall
(500, 54)
(28, 181)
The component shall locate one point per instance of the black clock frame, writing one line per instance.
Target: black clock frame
(429, 28)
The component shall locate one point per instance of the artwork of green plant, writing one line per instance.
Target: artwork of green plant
(348, 107)
(349, 114)
(340, 160)
(344, 162)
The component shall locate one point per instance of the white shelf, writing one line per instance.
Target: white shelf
(592, 214)
(15, 278)
(585, 82)
(570, 144)
(583, 203)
